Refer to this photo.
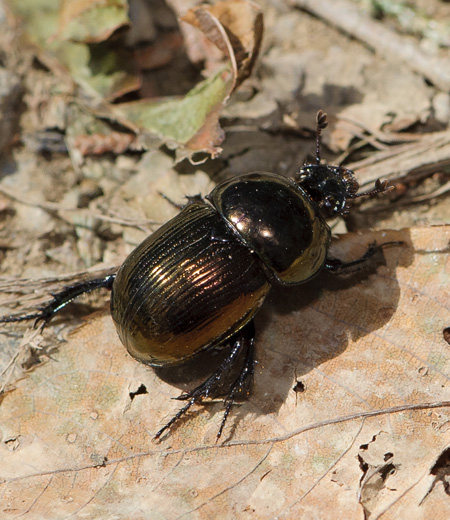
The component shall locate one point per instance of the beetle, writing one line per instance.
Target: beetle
(198, 281)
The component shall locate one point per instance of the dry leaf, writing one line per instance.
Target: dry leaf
(191, 124)
(52, 29)
(77, 433)
(91, 21)
(233, 26)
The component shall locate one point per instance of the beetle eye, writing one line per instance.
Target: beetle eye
(333, 205)
(330, 202)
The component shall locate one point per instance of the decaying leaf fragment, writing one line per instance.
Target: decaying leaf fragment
(377, 465)
(91, 21)
(440, 472)
(235, 28)
(79, 39)
(60, 33)
(358, 347)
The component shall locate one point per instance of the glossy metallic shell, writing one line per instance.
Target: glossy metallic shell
(190, 285)
(278, 220)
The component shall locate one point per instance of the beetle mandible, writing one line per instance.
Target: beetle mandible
(198, 281)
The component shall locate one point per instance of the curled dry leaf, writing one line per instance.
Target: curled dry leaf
(191, 124)
(235, 27)
(369, 351)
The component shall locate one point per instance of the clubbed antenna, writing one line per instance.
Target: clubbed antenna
(322, 123)
(380, 187)
(332, 187)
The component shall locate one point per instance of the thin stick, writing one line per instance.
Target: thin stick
(380, 38)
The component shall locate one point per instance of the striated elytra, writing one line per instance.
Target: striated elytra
(202, 276)
(198, 281)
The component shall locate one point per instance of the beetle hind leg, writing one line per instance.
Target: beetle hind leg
(244, 342)
(61, 299)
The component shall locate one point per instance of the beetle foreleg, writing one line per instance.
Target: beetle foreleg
(61, 299)
(244, 339)
(336, 266)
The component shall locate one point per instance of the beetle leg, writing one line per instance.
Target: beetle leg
(61, 299)
(244, 339)
(336, 266)
(246, 374)
(190, 200)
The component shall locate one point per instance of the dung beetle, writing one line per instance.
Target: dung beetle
(198, 281)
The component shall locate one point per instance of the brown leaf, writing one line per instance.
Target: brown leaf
(361, 345)
(235, 27)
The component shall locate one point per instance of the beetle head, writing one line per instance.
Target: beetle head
(332, 187)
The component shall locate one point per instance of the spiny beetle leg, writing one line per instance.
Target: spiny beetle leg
(336, 266)
(244, 340)
(61, 299)
(245, 375)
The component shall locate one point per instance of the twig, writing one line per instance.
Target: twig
(62, 211)
(427, 155)
(380, 38)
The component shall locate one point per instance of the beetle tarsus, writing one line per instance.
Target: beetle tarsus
(244, 339)
(61, 299)
(201, 391)
(175, 418)
(336, 266)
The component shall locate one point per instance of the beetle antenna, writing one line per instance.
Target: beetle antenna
(322, 123)
(380, 187)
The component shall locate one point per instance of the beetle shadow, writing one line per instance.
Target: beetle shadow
(195, 370)
(290, 337)
(303, 327)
